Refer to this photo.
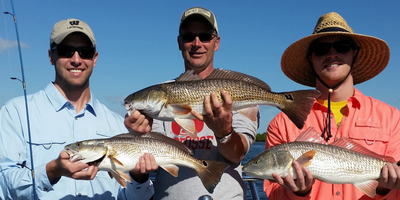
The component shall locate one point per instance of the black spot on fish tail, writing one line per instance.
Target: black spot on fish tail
(297, 105)
(210, 173)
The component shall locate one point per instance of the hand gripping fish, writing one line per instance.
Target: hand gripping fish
(120, 154)
(343, 161)
(174, 101)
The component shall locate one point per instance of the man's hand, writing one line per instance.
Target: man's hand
(389, 179)
(138, 123)
(63, 167)
(147, 164)
(300, 186)
(218, 116)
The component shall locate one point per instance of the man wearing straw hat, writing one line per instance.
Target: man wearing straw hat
(333, 59)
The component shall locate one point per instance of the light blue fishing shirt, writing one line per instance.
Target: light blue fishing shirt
(54, 124)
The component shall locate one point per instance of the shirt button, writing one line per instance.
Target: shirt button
(45, 189)
(79, 194)
(337, 193)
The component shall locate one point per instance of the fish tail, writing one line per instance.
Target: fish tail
(297, 105)
(210, 173)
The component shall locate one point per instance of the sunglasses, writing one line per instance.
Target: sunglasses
(203, 37)
(342, 46)
(68, 51)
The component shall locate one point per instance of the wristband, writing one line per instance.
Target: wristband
(225, 139)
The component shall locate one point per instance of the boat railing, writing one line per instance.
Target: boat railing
(247, 179)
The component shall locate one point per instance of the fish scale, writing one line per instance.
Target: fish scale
(196, 90)
(343, 161)
(130, 150)
(120, 154)
(175, 101)
(193, 92)
(345, 166)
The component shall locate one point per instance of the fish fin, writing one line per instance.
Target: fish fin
(171, 169)
(250, 112)
(118, 178)
(305, 159)
(163, 138)
(188, 126)
(210, 173)
(368, 187)
(233, 75)
(111, 155)
(310, 135)
(297, 105)
(123, 135)
(181, 109)
(351, 145)
(188, 76)
(125, 176)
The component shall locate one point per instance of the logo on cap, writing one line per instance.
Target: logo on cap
(74, 23)
(197, 10)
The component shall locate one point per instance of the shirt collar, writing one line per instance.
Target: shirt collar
(59, 102)
(357, 99)
(354, 101)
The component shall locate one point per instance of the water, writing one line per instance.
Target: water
(257, 148)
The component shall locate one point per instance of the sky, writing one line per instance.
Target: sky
(137, 42)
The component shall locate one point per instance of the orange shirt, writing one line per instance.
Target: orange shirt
(367, 121)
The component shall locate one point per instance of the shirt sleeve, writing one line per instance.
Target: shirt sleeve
(246, 127)
(15, 180)
(137, 191)
(158, 127)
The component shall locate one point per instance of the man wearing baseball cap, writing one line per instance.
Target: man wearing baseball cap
(333, 59)
(62, 113)
(221, 135)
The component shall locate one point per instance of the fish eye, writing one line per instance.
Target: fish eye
(256, 162)
(78, 144)
(205, 163)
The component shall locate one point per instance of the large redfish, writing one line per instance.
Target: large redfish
(343, 161)
(174, 101)
(120, 154)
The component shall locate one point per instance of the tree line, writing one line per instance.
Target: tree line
(261, 137)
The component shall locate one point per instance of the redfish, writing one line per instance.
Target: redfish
(174, 101)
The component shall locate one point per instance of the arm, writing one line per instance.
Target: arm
(389, 181)
(16, 181)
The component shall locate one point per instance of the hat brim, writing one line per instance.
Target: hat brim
(372, 58)
(62, 36)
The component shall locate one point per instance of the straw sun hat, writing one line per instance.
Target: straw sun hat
(372, 58)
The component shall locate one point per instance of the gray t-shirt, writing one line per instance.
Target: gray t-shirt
(188, 185)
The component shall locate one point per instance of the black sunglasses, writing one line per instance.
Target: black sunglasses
(68, 51)
(203, 37)
(342, 46)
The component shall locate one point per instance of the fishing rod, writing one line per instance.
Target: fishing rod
(26, 101)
